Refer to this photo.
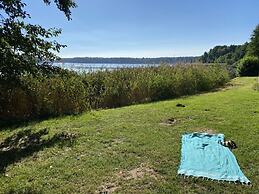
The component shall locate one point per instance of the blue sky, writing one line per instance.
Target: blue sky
(149, 28)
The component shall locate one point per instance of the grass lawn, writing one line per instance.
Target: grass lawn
(133, 150)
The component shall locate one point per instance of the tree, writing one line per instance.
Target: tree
(249, 66)
(24, 47)
(225, 54)
(253, 48)
(229, 55)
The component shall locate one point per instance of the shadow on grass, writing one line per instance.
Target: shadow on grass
(26, 190)
(12, 123)
(25, 143)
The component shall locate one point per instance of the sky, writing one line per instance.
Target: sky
(148, 28)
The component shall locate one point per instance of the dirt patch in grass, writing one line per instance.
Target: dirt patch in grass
(170, 121)
(144, 170)
(205, 130)
(107, 188)
(139, 173)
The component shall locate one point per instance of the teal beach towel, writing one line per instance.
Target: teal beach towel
(204, 156)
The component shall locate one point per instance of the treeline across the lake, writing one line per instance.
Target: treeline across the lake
(129, 60)
(64, 92)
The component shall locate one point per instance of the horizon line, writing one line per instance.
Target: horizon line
(132, 57)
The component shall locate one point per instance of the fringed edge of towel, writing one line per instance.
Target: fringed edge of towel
(219, 181)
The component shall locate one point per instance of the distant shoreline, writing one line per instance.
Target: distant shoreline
(129, 60)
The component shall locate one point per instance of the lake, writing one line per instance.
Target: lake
(92, 67)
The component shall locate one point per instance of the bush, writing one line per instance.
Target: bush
(248, 66)
(65, 92)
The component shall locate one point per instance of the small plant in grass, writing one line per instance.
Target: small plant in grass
(256, 85)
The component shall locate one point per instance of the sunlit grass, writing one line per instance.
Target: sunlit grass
(113, 143)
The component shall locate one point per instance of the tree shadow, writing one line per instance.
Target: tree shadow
(26, 190)
(25, 143)
(11, 124)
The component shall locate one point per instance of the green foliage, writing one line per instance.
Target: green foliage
(225, 54)
(57, 95)
(44, 96)
(64, 92)
(240, 59)
(229, 55)
(249, 66)
(129, 86)
(253, 48)
(25, 47)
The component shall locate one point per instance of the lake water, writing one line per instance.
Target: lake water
(92, 67)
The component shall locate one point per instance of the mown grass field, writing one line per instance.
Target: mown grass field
(133, 150)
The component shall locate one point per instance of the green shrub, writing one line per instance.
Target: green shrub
(248, 66)
(70, 93)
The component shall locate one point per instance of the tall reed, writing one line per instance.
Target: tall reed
(73, 93)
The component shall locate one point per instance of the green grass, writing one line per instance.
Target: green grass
(112, 143)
